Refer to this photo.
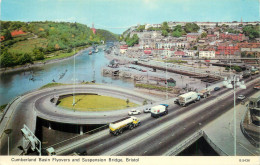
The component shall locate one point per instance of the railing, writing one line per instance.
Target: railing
(8, 106)
(78, 136)
(250, 138)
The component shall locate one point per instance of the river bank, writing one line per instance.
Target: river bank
(38, 64)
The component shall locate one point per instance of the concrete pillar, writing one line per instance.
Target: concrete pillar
(81, 130)
(248, 115)
(49, 125)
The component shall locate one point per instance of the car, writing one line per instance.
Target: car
(257, 87)
(134, 112)
(147, 110)
(241, 97)
(216, 88)
(144, 70)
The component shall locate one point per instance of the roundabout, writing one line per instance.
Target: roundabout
(46, 107)
(38, 106)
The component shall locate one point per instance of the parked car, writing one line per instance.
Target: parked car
(257, 86)
(241, 97)
(134, 112)
(147, 110)
(216, 88)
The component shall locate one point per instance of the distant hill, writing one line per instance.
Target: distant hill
(107, 35)
(25, 42)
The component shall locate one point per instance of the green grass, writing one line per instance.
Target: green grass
(27, 46)
(152, 87)
(52, 85)
(95, 103)
(61, 54)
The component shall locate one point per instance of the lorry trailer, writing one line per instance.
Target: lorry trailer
(119, 126)
(187, 98)
(159, 110)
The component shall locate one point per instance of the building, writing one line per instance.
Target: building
(207, 54)
(123, 49)
(212, 37)
(227, 50)
(2, 38)
(231, 36)
(190, 53)
(192, 36)
(179, 54)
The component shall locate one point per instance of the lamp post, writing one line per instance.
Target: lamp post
(73, 103)
(8, 131)
(166, 83)
(236, 83)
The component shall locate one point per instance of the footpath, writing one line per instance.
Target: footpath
(220, 133)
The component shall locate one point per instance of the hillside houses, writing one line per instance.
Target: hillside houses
(217, 42)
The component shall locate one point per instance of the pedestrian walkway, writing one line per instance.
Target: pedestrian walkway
(220, 133)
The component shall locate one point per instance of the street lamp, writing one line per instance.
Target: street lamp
(166, 82)
(8, 131)
(73, 103)
(236, 83)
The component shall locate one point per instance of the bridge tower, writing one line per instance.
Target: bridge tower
(93, 28)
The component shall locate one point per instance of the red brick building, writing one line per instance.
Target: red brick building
(231, 36)
(227, 50)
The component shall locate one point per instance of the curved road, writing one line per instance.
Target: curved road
(27, 108)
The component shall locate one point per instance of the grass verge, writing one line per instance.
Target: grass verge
(152, 87)
(95, 103)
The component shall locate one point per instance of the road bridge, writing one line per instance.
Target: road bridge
(160, 136)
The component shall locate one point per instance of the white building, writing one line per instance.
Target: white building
(190, 53)
(206, 54)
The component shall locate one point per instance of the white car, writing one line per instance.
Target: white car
(147, 110)
(241, 97)
(134, 112)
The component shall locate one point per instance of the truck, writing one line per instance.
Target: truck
(119, 126)
(254, 71)
(187, 98)
(246, 74)
(204, 93)
(159, 110)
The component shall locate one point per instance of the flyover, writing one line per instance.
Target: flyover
(26, 108)
(168, 135)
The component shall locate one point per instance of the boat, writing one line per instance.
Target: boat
(90, 53)
(96, 50)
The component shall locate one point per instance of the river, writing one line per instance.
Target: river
(87, 68)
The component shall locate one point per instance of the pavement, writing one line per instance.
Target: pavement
(224, 137)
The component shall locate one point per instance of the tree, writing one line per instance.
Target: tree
(6, 59)
(165, 27)
(38, 54)
(251, 31)
(141, 28)
(25, 58)
(132, 41)
(7, 35)
(177, 33)
(191, 27)
(164, 33)
(204, 35)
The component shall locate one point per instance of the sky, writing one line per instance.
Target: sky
(117, 15)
